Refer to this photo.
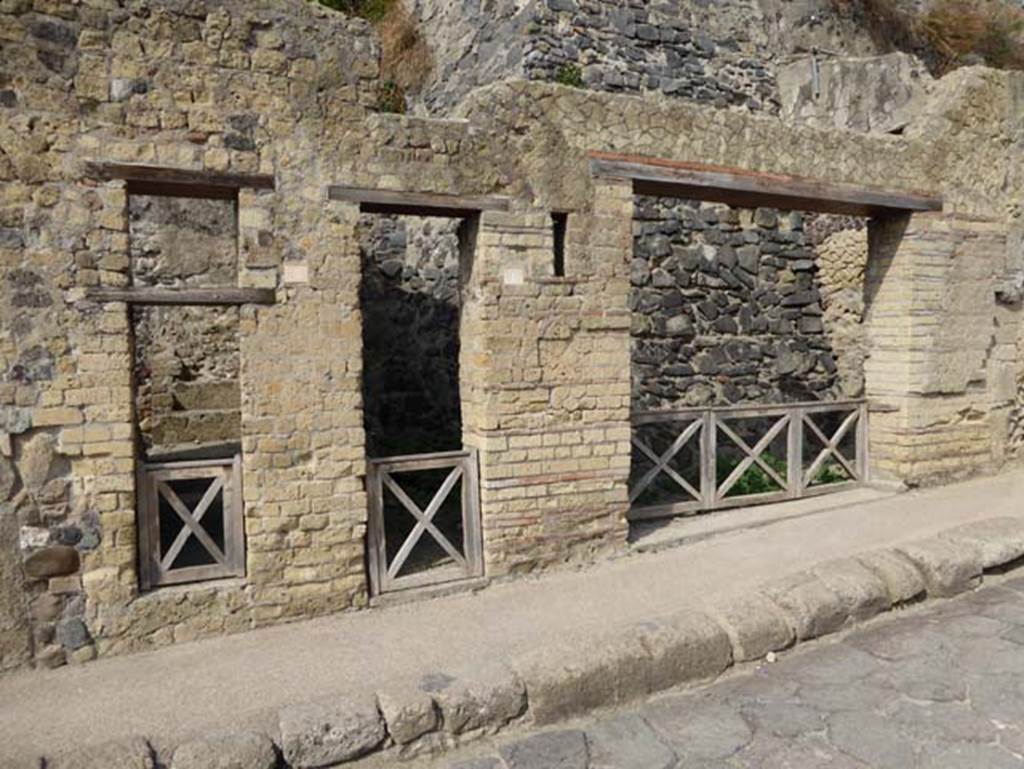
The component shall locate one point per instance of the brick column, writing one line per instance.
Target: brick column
(303, 440)
(935, 357)
(545, 372)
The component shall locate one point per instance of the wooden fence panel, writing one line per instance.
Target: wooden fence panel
(764, 448)
(393, 552)
(190, 521)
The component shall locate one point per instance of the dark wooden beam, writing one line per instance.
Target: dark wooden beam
(181, 296)
(416, 203)
(749, 189)
(160, 180)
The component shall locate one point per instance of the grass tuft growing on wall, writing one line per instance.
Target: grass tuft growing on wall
(405, 59)
(946, 34)
(570, 75)
(371, 10)
(987, 29)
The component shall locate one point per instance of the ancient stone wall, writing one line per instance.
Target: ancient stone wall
(545, 370)
(938, 347)
(410, 298)
(880, 94)
(216, 86)
(725, 54)
(841, 251)
(729, 307)
(544, 361)
(186, 371)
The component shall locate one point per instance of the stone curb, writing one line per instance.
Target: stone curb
(555, 683)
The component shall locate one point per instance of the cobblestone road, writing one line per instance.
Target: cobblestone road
(931, 688)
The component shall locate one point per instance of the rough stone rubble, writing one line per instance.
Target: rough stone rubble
(544, 362)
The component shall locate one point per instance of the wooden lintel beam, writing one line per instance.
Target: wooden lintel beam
(161, 180)
(416, 203)
(182, 296)
(748, 189)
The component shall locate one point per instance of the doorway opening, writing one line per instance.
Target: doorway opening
(424, 526)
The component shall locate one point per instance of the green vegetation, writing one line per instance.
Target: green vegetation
(391, 98)
(405, 60)
(371, 10)
(990, 30)
(756, 481)
(570, 75)
(947, 33)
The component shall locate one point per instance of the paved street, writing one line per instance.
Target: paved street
(937, 687)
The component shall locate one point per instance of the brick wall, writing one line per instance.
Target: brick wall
(935, 348)
(550, 409)
(214, 86)
(544, 360)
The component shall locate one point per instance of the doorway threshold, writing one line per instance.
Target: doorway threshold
(654, 535)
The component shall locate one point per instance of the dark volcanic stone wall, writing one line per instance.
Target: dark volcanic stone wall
(410, 303)
(727, 307)
(721, 52)
(630, 46)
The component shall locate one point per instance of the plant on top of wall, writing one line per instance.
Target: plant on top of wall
(570, 75)
(405, 59)
(945, 34)
(371, 10)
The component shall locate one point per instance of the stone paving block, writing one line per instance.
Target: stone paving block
(479, 763)
(1014, 583)
(810, 607)
(813, 752)
(330, 731)
(493, 697)
(227, 750)
(997, 698)
(548, 750)
(903, 580)
(863, 592)
(683, 647)
(755, 626)
(871, 738)
(969, 755)
(934, 722)
(564, 681)
(697, 730)
(948, 568)
(130, 753)
(627, 742)
(788, 720)
(998, 540)
(409, 713)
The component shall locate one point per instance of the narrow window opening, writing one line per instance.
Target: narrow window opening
(414, 270)
(559, 226)
(187, 389)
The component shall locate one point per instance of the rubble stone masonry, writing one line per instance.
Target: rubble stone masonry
(288, 90)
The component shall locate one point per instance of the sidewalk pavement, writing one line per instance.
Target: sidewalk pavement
(183, 692)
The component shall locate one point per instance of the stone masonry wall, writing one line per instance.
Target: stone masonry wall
(410, 298)
(728, 308)
(545, 371)
(725, 53)
(186, 372)
(286, 89)
(939, 348)
(217, 86)
(952, 148)
(842, 257)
